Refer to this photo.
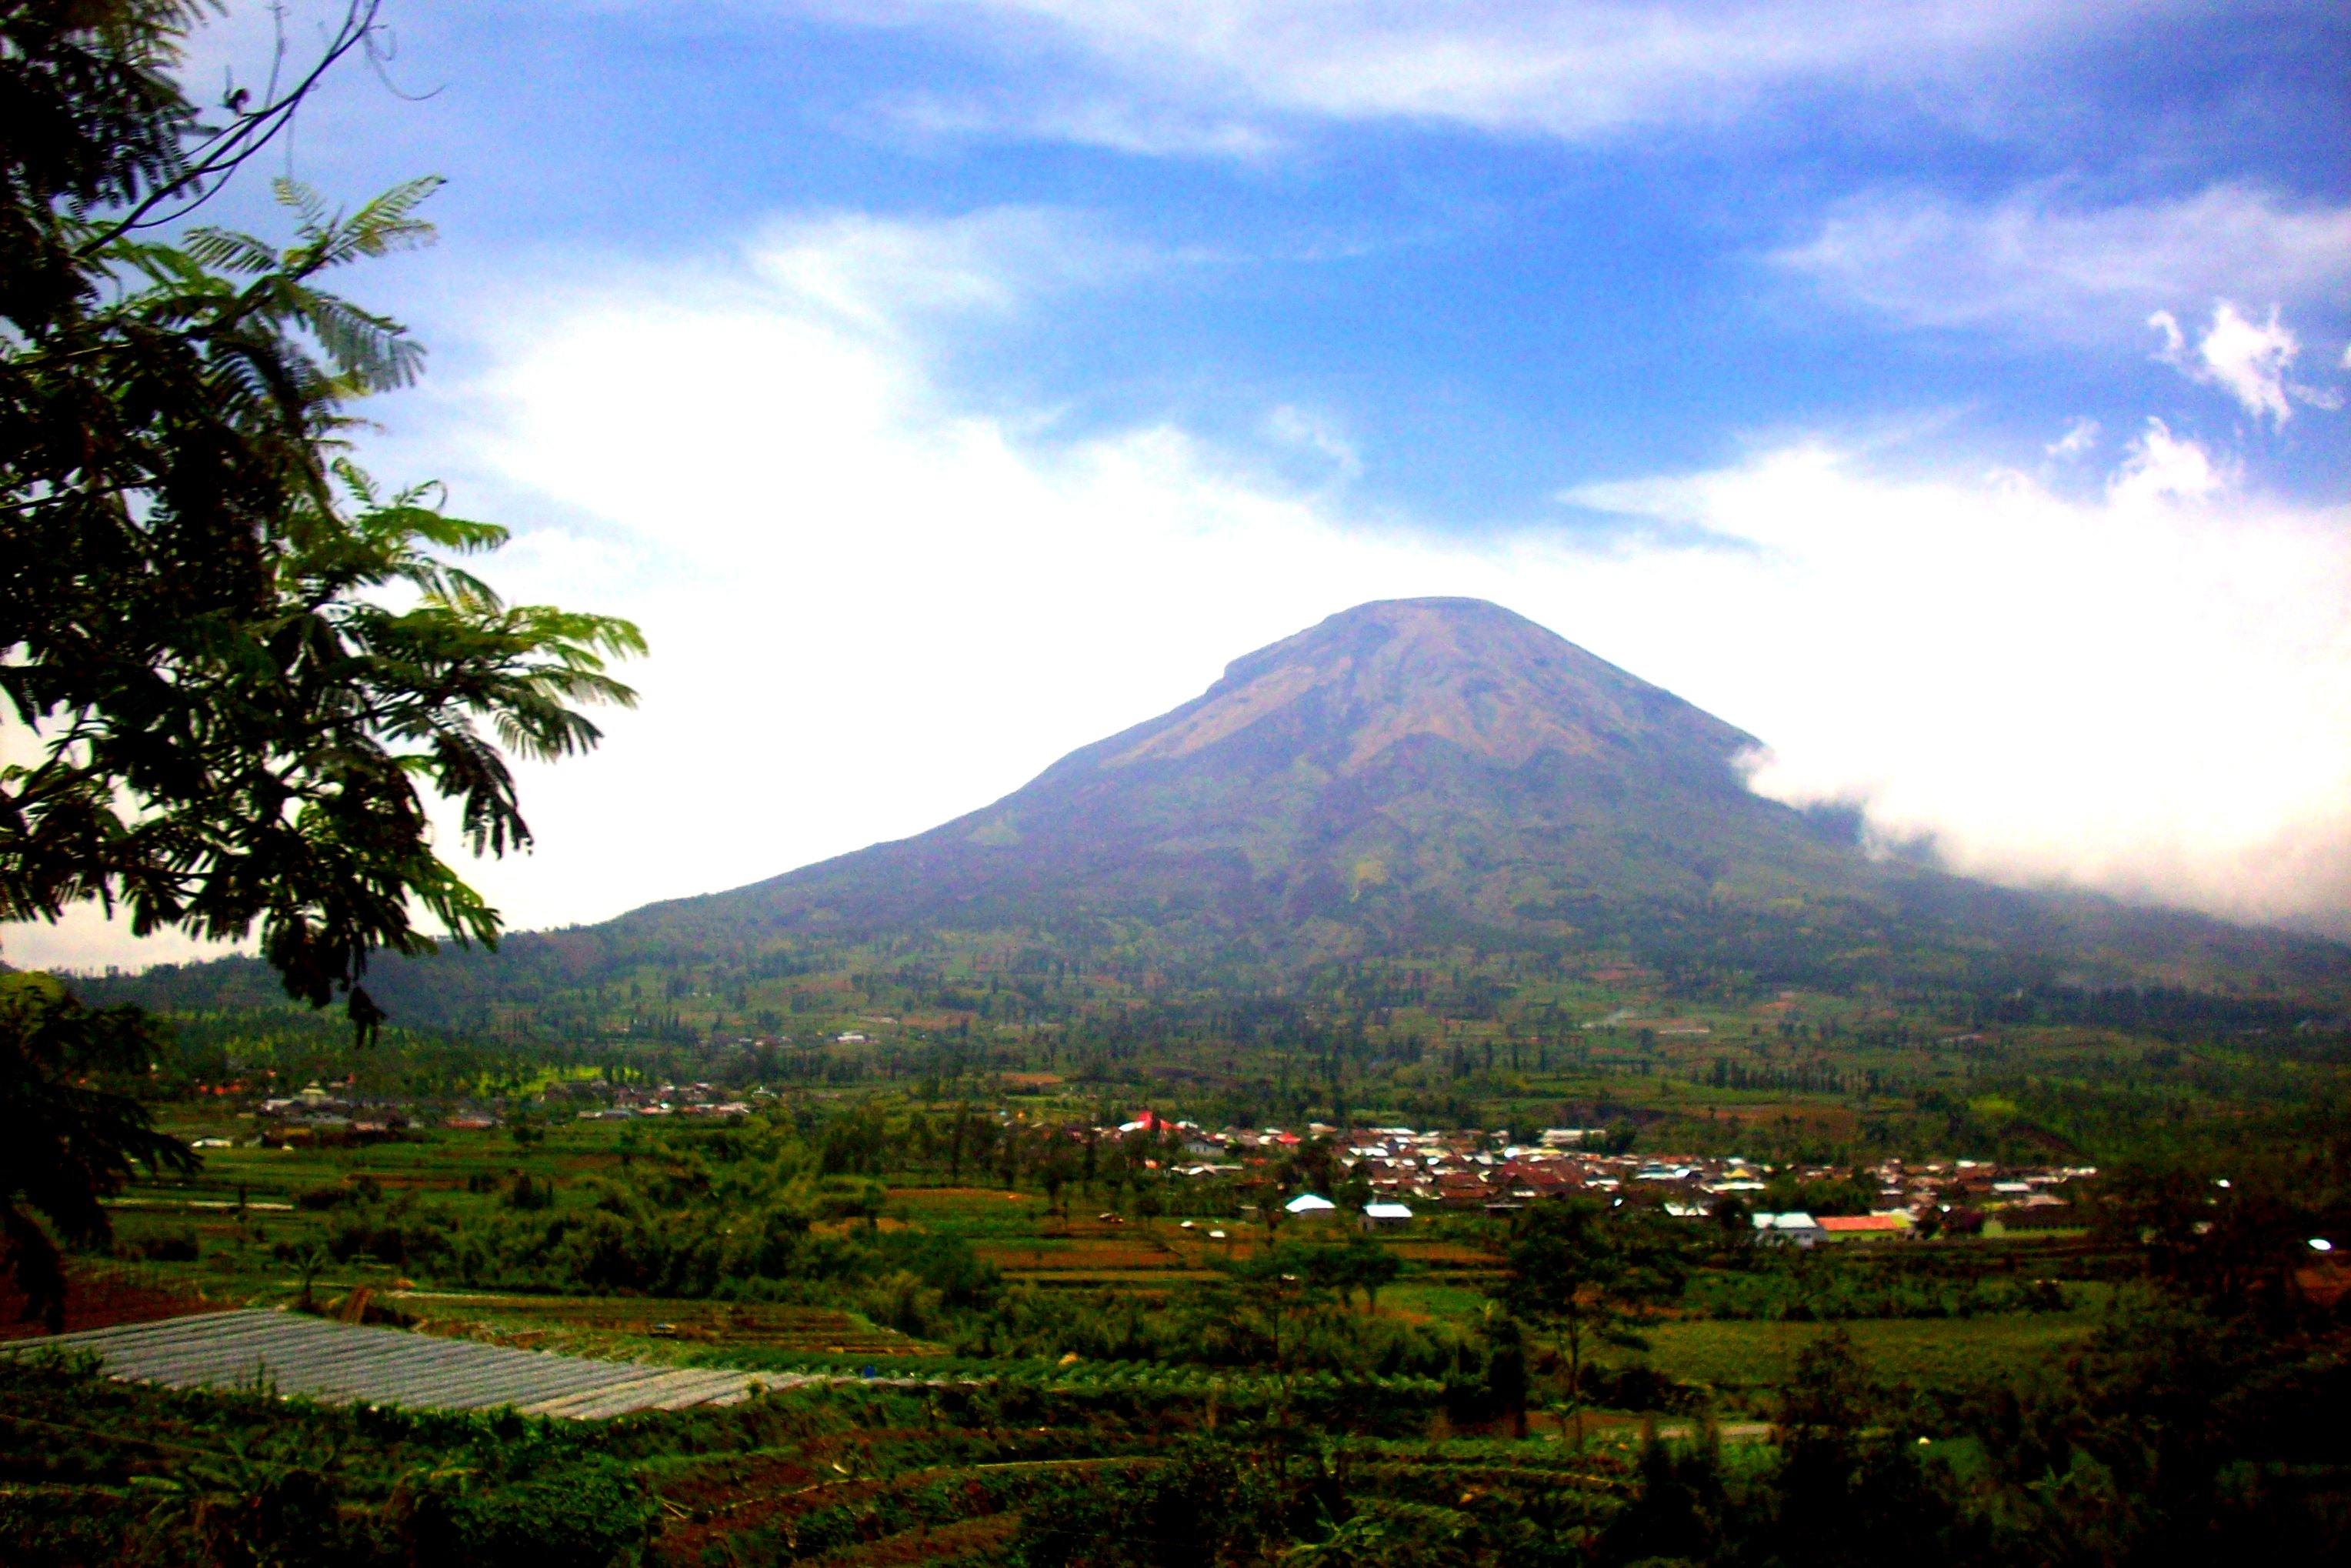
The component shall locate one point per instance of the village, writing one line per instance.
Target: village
(1384, 1177)
(1405, 1172)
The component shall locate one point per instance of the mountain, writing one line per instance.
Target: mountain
(1411, 779)
(1426, 773)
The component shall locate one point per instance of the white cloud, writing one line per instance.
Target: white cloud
(2144, 694)
(2039, 264)
(2160, 466)
(2247, 360)
(873, 608)
(1573, 71)
(880, 274)
(2250, 360)
(1317, 433)
(2079, 437)
(1119, 126)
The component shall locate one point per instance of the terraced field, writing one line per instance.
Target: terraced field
(633, 1324)
(870, 1498)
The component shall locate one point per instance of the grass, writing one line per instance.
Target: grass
(1433, 1302)
(1744, 1362)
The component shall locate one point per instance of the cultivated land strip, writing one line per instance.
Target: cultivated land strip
(340, 1364)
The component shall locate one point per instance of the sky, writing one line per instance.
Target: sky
(1949, 395)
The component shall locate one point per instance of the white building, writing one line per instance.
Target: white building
(1794, 1228)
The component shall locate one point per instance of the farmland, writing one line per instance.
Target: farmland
(259, 1227)
(1037, 1312)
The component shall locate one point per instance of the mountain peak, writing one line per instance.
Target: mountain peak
(1463, 672)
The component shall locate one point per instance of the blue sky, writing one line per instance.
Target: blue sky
(1507, 245)
(1951, 394)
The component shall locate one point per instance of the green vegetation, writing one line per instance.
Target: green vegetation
(1283, 1400)
(1007, 1318)
(1450, 1038)
(242, 668)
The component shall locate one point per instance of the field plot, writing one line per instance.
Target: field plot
(1744, 1362)
(293, 1355)
(1086, 1256)
(639, 1326)
(102, 1295)
(841, 1503)
(1430, 1302)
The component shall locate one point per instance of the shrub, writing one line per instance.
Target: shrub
(579, 1516)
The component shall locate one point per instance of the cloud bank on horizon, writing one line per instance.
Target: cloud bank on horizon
(1949, 396)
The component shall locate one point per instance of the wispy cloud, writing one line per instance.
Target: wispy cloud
(1156, 131)
(2041, 264)
(878, 273)
(1573, 71)
(2079, 438)
(1318, 434)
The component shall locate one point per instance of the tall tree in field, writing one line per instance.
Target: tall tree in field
(237, 670)
(1588, 1271)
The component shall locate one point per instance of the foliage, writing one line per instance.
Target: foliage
(2175, 1437)
(2231, 1244)
(242, 1479)
(1588, 1271)
(580, 1515)
(68, 1139)
(239, 657)
(1200, 1507)
(1849, 1488)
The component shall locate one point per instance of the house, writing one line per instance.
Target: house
(1526, 1179)
(1863, 1227)
(1794, 1228)
(1307, 1204)
(1384, 1217)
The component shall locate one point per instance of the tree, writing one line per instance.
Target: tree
(1276, 1300)
(242, 665)
(69, 1137)
(239, 667)
(1358, 1263)
(1849, 1487)
(1587, 1272)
